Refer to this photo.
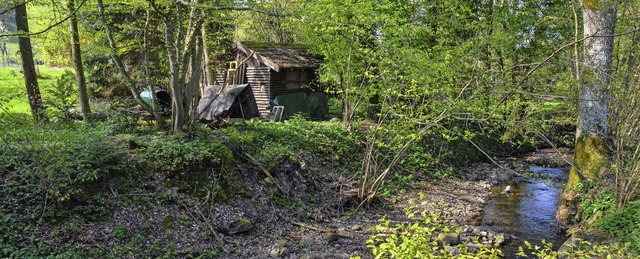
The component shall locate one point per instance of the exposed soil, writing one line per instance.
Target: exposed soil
(307, 214)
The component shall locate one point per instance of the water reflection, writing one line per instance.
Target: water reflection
(529, 211)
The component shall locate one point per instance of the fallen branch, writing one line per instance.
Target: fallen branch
(310, 227)
(323, 230)
(209, 226)
(264, 170)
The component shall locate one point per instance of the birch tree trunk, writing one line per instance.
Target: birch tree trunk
(591, 155)
(76, 54)
(28, 67)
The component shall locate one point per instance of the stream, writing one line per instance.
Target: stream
(528, 211)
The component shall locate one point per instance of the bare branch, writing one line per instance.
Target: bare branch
(14, 7)
(235, 8)
(48, 28)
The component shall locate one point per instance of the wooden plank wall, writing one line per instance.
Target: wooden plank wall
(219, 76)
(259, 78)
(279, 83)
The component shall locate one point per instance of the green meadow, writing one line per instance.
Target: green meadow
(13, 93)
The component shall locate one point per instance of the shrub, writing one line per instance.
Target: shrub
(579, 249)
(414, 240)
(61, 97)
(624, 224)
(60, 159)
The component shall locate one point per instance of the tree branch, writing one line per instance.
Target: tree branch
(539, 64)
(14, 7)
(235, 8)
(45, 30)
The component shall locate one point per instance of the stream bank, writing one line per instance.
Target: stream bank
(524, 198)
(309, 215)
(470, 202)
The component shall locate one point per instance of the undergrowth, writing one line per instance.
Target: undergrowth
(419, 238)
(57, 171)
(416, 239)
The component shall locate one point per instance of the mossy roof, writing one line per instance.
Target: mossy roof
(285, 55)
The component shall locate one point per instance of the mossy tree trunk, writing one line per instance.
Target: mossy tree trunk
(592, 154)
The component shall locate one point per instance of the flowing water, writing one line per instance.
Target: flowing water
(528, 212)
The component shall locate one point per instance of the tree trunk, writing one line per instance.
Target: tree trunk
(116, 59)
(185, 59)
(155, 106)
(83, 97)
(28, 67)
(209, 75)
(192, 85)
(346, 106)
(3, 44)
(177, 105)
(591, 155)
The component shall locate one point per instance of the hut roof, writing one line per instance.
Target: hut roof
(281, 55)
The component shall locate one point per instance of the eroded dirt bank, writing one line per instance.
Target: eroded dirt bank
(333, 229)
(308, 214)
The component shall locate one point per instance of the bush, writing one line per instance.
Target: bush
(414, 240)
(296, 138)
(579, 249)
(59, 158)
(61, 97)
(624, 225)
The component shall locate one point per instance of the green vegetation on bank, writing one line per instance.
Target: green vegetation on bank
(57, 176)
(425, 89)
(13, 95)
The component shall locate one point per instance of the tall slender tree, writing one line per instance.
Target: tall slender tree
(3, 44)
(183, 38)
(28, 66)
(76, 53)
(591, 155)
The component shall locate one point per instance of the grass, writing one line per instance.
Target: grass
(13, 94)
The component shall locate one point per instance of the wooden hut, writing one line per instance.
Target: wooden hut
(270, 70)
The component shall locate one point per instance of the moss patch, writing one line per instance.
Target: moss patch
(591, 158)
(590, 162)
(593, 5)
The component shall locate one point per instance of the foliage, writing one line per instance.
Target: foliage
(45, 168)
(271, 26)
(623, 224)
(170, 154)
(414, 239)
(624, 113)
(580, 248)
(296, 138)
(14, 243)
(61, 97)
(57, 158)
(451, 69)
(596, 201)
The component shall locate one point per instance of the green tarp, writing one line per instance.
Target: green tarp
(314, 105)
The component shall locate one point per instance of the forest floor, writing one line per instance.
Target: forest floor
(332, 232)
(294, 210)
(258, 223)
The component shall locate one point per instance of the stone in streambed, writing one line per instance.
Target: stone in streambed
(240, 226)
(448, 238)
